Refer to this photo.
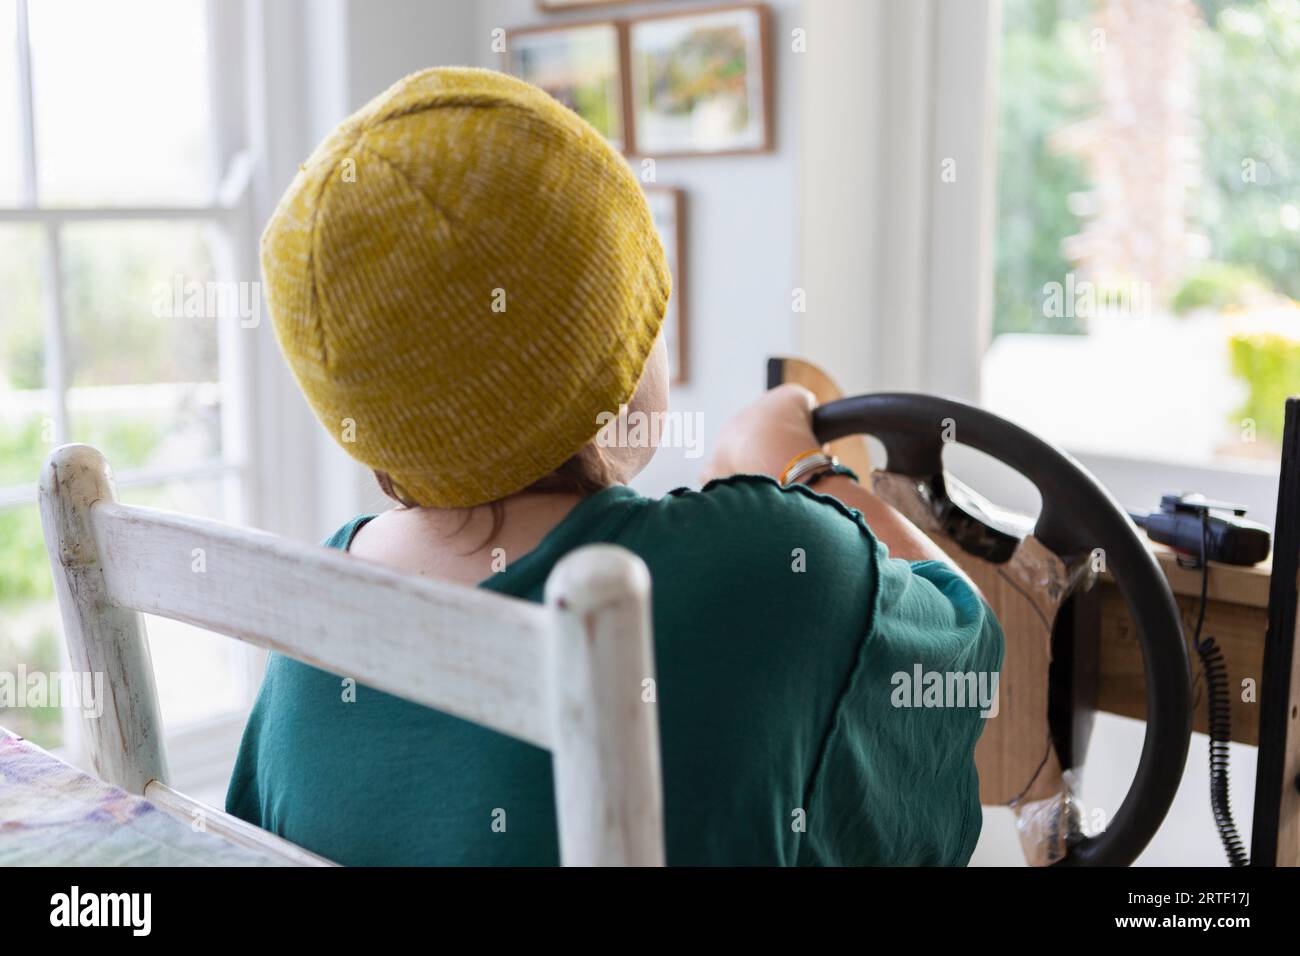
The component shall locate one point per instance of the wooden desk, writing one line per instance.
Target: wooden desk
(1236, 616)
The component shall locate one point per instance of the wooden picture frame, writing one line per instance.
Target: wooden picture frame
(668, 208)
(616, 127)
(754, 22)
(568, 6)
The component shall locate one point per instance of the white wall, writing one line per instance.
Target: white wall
(391, 38)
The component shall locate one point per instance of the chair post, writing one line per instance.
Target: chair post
(605, 716)
(124, 730)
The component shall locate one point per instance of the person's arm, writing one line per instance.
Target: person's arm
(902, 538)
(765, 436)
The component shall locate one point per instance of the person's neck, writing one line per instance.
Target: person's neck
(463, 545)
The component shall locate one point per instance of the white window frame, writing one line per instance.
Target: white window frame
(915, 310)
(1136, 482)
(230, 213)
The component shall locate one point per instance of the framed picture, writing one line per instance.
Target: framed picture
(699, 82)
(580, 65)
(668, 208)
(557, 6)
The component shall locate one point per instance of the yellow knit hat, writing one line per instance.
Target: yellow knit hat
(462, 277)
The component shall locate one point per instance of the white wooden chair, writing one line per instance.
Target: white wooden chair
(567, 675)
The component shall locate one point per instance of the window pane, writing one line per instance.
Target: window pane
(199, 675)
(30, 630)
(11, 166)
(26, 412)
(121, 100)
(142, 343)
(1148, 234)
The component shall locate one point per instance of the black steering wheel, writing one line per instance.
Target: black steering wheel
(1078, 515)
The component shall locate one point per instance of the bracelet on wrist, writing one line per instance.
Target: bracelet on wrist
(796, 462)
(835, 469)
(808, 463)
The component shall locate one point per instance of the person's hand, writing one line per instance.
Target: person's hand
(764, 436)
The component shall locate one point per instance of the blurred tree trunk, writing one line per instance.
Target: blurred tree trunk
(1141, 147)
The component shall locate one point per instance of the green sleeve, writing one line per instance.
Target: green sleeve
(896, 781)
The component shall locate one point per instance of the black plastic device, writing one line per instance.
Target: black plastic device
(1189, 523)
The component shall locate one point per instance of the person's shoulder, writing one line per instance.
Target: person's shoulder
(745, 525)
(784, 578)
(758, 504)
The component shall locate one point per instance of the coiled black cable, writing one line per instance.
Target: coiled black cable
(1219, 708)
(1216, 683)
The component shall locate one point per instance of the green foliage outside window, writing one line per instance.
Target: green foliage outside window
(1048, 80)
(1219, 286)
(1246, 70)
(1248, 101)
(1271, 366)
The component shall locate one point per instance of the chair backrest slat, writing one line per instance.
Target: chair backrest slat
(574, 675)
(469, 652)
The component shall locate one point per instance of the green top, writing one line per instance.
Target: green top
(800, 672)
